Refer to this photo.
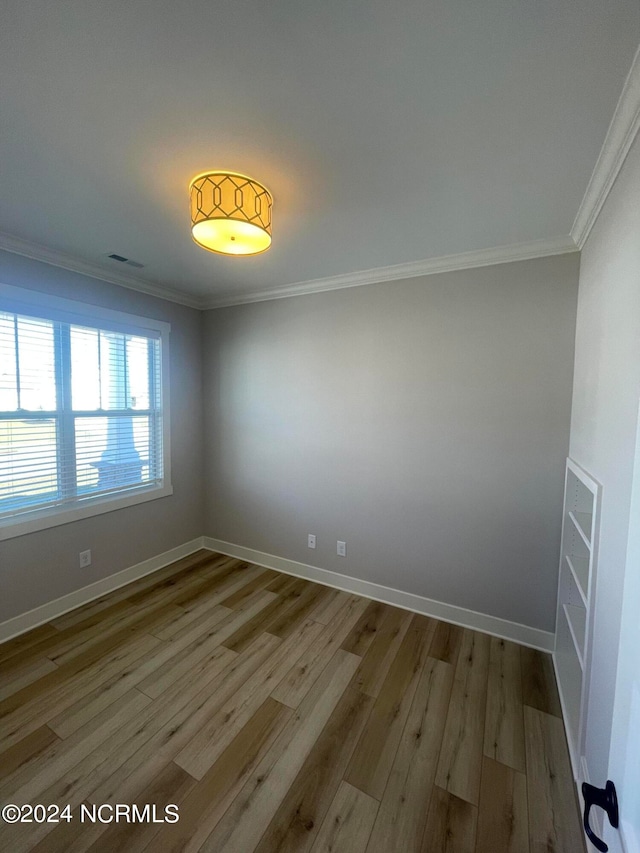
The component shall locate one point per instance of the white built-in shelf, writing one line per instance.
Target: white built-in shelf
(577, 620)
(579, 567)
(573, 618)
(583, 522)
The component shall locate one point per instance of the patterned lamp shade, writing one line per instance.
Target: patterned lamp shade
(230, 213)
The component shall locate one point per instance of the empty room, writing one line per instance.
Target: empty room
(320, 426)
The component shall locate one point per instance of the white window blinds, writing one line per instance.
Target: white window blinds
(81, 414)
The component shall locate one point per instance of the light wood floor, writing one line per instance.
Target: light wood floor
(280, 715)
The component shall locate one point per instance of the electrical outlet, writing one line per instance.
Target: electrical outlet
(342, 549)
(311, 540)
(85, 559)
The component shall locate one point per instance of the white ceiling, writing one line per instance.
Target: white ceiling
(388, 132)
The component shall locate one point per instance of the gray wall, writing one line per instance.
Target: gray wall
(425, 422)
(604, 421)
(42, 566)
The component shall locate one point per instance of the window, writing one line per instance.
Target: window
(82, 422)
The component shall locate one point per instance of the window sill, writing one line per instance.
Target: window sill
(12, 527)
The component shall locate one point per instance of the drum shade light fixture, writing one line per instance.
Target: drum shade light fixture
(230, 213)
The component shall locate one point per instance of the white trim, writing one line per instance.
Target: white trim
(69, 262)
(622, 131)
(596, 817)
(620, 135)
(523, 634)
(15, 525)
(412, 269)
(53, 609)
(76, 311)
(575, 764)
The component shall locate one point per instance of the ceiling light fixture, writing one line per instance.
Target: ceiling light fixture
(230, 213)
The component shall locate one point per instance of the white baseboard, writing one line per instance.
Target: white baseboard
(54, 609)
(514, 631)
(523, 634)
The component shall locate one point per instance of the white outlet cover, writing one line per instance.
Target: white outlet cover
(342, 549)
(311, 540)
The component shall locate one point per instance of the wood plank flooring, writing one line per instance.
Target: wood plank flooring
(279, 716)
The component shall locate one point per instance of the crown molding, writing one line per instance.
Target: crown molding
(68, 262)
(412, 269)
(622, 131)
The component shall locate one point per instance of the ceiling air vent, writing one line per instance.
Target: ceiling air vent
(126, 261)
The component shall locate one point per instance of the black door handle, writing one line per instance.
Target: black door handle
(606, 799)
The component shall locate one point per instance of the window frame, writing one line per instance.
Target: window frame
(47, 307)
